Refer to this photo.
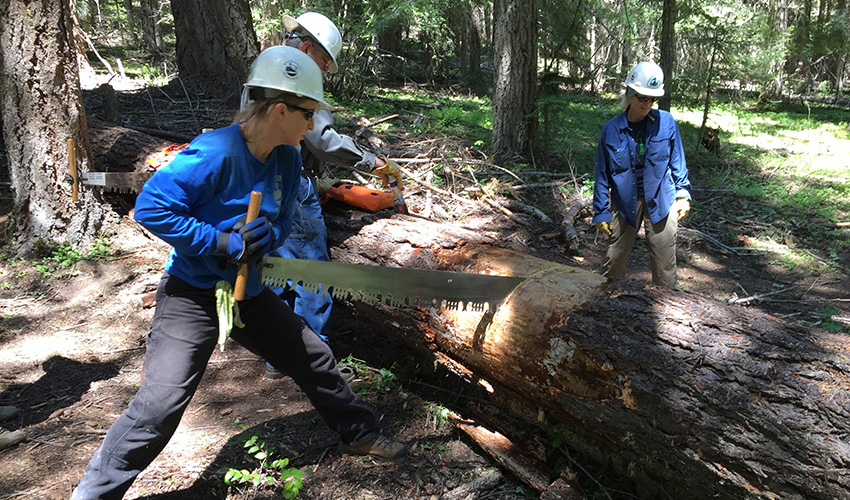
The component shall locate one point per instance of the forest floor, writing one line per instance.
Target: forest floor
(72, 346)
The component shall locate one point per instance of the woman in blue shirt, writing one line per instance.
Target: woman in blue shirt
(641, 178)
(197, 204)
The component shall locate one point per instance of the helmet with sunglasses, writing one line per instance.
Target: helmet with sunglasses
(646, 78)
(285, 69)
(319, 28)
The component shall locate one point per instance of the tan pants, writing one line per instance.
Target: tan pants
(660, 238)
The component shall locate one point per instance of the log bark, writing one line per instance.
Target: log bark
(688, 397)
(120, 149)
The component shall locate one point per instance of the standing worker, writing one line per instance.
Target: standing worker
(318, 37)
(641, 178)
(197, 204)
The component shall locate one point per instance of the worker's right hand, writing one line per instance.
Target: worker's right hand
(386, 168)
(605, 228)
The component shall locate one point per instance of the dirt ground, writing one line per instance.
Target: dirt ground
(72, 346)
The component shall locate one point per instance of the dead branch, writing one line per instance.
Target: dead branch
(568, 230)
(758, 296)
(378, 121)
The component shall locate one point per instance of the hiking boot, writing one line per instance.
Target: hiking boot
(8, 413)
(381, 447)
(10, 438)
(273, 374)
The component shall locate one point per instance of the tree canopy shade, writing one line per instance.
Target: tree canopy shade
(42, 109)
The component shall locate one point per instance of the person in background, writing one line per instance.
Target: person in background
(641, 178)
(9, 438)
(197, 204)
(318, 37)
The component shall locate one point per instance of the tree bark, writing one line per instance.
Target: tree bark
(119, 149)
(42, 109)
(149, 22)
(689, 397)
(216, 44)
(668, 49)
(515, 84)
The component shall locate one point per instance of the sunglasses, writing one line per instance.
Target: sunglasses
(645, 98)
(308, 113)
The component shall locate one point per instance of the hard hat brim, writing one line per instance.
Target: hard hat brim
(648, 92)
(291, 24)
(320, 103)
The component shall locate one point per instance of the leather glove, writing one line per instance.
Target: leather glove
(324, 184)
(246, 242)
(605, 228)
(385, 167)
(680, 208)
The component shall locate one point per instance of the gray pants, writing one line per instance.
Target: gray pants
(183, 335)
(660, 238)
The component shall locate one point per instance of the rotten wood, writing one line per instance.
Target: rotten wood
(506, 453)
(688, 397)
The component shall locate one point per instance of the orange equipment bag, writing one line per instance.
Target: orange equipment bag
(361, 197)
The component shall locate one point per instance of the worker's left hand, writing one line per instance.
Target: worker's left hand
(384, 167)
(324, 184)
(680, 208)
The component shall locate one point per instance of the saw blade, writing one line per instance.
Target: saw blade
(390, 285)
(122, 182)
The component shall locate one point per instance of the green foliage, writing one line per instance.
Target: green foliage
(66, 255)
(569, 127)
(829, 324)
(270, 472)
(465, 116)
(373, 380)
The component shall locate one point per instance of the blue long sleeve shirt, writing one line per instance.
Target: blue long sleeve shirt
(665, 173)
(205, 190)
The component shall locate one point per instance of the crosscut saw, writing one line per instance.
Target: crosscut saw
(121, 182)
(393, 286)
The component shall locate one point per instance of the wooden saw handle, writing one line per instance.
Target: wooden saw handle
(242, 274)
(72, 165)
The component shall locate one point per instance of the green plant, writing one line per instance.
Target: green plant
(273, 473)
(378, 381)
(66, 255)
(828, 323)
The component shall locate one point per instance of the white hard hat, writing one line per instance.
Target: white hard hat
(321, 29)
(646, 78)
(289, 70)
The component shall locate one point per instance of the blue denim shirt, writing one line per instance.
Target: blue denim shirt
(665, 176)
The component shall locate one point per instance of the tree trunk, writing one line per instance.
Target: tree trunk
(515, 81)
(688, 397)
(216, 44)
(151, 32)
(668, 49)
(42, 109)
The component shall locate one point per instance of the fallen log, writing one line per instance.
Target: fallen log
(688, 397)
(120, 149)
